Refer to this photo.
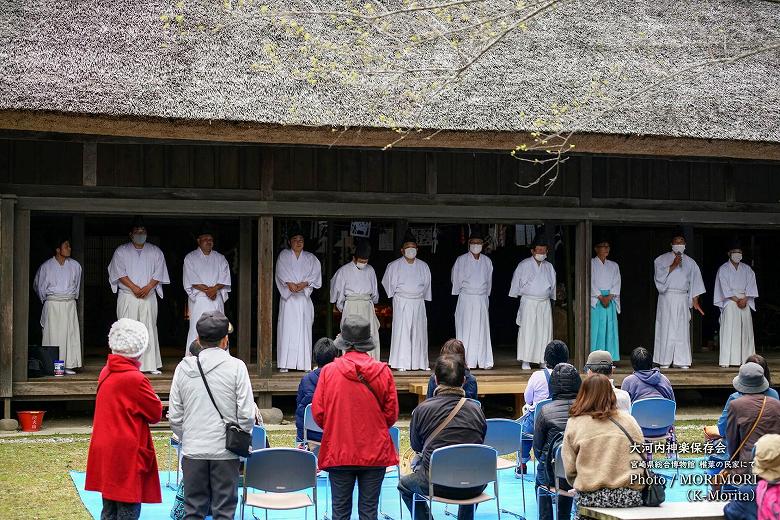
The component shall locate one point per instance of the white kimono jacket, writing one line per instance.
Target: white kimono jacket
(209, 270)
(737, 340)
(409, 285)
(604, 276)
(58, 286)
(535, 284)
(296, 310)
(355, 291)
(141, 266)
(472, 281)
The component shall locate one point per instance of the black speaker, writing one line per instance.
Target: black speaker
(40, 360)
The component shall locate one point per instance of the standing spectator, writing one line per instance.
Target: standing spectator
(468, 426)
(455, 347)
(597, 454)
(600, 362)
(646, 381)
(210, 470)
(765, 502)
(551, 421)
(122, 464)
(325, 351)
(355, 403)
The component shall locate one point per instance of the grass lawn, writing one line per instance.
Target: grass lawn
(34, 480)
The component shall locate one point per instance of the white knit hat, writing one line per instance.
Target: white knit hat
(128, 338)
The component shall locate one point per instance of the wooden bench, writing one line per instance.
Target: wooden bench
(483, 388)
(667, 511)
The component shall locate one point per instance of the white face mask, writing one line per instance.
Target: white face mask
(410, 253)
(679, 248)
(361, 265)
(139, 239)
(540, 258)
(475, 249)
(736, 257)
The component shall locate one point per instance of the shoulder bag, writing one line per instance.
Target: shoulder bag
(411, 460)
(654, 493)
(723, 476)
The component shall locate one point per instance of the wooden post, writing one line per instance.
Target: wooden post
(78, 244)
(7, 301)
(328, 276)
(582, 293)
(265, 295)
(21, 291)
(245, 289)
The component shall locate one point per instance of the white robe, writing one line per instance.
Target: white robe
(208, 270)
(472, 281)
(604, 276)
(296, 311)
(737, 341)
(58, 286)
(409, 285)
(535, 284)
(355, 291)
(676, 291)
(141, 267)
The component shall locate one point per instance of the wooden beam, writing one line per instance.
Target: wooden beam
(99, 126)
(245, 289)
(78, 239)
(7, 290)
(21, 291)
(582, 293)
(89, 162)
(265, 295)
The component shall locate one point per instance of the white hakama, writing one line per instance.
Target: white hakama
(296, 311)
(472, 280)
(355, 291)
(58, 286)
(141, 266)
(535, 284)
(208, 270)
(737, 341)
(409, 285)
(676, 291)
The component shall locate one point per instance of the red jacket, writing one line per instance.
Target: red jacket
(122, 464)
(353, 422)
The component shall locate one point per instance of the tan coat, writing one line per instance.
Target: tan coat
(597, 454)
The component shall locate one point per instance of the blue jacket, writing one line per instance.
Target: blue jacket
(771, 392)
(742, 509)
(470, 386)
(305, 394)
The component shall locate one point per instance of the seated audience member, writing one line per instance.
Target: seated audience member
(750, 416)
(455, 347)
(760, 501)
(468, 426)
(771, 392)
(597, 453)
(538, 389)
(551, 421)
(324, 352)
(600, 362)
(646, 381)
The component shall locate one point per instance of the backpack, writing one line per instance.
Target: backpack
(768, 501)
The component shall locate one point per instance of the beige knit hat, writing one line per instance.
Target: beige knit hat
(766, 463)
(128, 338)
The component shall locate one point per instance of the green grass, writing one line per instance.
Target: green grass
(35, 484)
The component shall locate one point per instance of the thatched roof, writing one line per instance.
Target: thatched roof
(116, 59)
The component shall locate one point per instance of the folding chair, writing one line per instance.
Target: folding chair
(461, 466)
(529, 435)
(506, 437)
(309, 424)
(282, 472)
(553, 491)
(258, 438)
(174, 445)
(655, 416)
(395, 436)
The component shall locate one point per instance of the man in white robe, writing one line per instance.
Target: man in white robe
(298, 273)
(57, 284)
(534, 282)
(679, 283)
(735, 294)
(206, 282)
(472, 281)
(604, 301)
(137, 273)
(407, 281)
(354, 290)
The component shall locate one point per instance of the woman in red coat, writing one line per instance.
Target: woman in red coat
(355, 403)
(122, 464)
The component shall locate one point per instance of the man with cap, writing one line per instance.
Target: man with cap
(735, 294)
(298, 273)
(210, 470)
(137, 273)
(407, 281)
(57, 283)
(354, 290)
(472, 280)
(534, 282)
(604, 300)
(600, 362)
(679, 283)
(206, 280)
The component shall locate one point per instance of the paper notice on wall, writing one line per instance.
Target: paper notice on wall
(360, 229)
(386, 240)
(424, 236)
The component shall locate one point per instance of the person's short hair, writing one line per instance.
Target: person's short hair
(641, 359)
(450, 370)
(595, 398)
(58, 241)
(556, 352)
(453, 347)
(759, 360)
(325, 351)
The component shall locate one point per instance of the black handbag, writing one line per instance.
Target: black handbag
(654, 492)
(236, 439)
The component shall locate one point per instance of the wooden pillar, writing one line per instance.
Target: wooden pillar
(328, 275)
(21, 291)
(7, 301)
(265, 295)
(245, 289)
(582, 293)
(78, 239)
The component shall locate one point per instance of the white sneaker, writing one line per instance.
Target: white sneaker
(402, 370)
(283, 370)
(722, 366)
(428, 369)
(155, 372)
(488, 368)
(684, 367)
(664, 366)
(70, 372)
(526, 365)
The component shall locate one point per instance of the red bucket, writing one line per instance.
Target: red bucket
(30, 421)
